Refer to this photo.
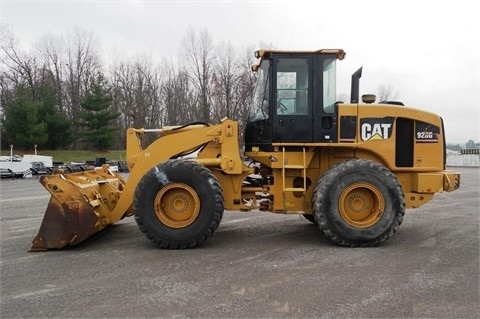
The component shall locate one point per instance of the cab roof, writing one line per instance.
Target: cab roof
(263, 53)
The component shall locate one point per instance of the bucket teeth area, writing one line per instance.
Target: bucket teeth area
(64, 224)
(81, 205)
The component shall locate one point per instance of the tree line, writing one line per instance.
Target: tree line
(62, 95)
(470, 144)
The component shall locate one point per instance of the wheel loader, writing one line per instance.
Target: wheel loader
(349, 168)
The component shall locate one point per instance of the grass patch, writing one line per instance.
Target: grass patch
(73, 156)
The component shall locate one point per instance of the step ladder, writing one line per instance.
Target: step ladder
(301, 167)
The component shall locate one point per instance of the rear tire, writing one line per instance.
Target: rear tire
(178, 204)
(358, 203)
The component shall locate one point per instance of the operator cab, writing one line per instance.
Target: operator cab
(294, 98)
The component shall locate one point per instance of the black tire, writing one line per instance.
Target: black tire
(358, 203)
(310, 218)
(178, 204)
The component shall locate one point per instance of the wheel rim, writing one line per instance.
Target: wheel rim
(177, 205)
(361, 205)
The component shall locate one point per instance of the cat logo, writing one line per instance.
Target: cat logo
(376, 128)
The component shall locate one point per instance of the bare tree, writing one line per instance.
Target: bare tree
(137, 94)
(246, 85)
(52, 50)
(386, 92)
(20, 67)
(82, 63)
(233, 84)
(224, 81)
(198, 54)
(178, 96)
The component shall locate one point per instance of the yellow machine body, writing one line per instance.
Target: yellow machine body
(299, 170)
(402, 147)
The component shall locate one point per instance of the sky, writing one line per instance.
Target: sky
(428, 51)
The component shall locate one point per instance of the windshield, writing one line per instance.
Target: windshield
(259, 110)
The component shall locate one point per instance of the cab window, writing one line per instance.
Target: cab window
(329, 85)
(292, 86)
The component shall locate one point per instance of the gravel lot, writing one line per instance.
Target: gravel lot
(256, 265)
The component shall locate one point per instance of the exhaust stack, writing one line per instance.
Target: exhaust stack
(355, 86)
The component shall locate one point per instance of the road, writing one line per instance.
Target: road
(256, 265)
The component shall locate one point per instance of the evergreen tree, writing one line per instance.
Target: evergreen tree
(454, 147)
(59, 127)
(22, 126)
(471, 144)
(97, 116)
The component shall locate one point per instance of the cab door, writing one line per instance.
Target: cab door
(292, 98)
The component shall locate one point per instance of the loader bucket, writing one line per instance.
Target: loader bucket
(80, 206)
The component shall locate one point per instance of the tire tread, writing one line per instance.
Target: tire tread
(215, 219)
(322, 188)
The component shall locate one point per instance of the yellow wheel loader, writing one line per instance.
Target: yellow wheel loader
(350, 168)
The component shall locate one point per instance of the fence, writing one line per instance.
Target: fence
(467, 157)
(470, 151)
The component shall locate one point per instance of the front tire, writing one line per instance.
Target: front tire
(178, 204)
(310, 218)
(358, 203)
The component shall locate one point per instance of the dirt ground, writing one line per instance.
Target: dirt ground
(256, 265)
